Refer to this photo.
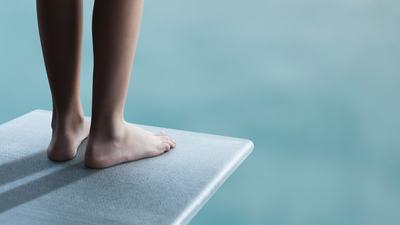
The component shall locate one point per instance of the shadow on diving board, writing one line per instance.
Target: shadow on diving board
(167, 189)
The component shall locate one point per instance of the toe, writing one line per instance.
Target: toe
(169, 139)
(172, 144)
(161, 133)
(167, 147)
(164, 146)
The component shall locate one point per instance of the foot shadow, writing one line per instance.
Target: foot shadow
(73, 171)
(24, 167)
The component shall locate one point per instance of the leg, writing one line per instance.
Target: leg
(60, 29)
(111, 140)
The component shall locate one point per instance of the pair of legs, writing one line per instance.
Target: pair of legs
(115, 28)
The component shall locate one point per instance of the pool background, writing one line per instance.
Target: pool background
(314, 84)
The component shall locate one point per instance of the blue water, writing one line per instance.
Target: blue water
(314, 84)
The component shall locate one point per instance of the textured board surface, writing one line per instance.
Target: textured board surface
(168, 189)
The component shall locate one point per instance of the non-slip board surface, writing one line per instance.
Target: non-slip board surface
(168, 189)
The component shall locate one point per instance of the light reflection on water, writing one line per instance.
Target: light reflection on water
(313, 84)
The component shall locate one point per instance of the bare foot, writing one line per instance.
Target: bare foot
(66, 138)
(128, 144)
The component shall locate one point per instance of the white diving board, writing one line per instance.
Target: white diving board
(167, 189)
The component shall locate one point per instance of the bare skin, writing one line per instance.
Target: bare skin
(115, 29)
(60, 28)
(66, 138)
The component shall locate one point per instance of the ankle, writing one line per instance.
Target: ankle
(73, 121)
(107, 129)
